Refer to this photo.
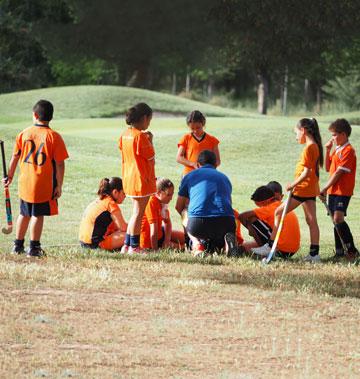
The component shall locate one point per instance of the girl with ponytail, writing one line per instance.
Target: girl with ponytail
(103, 225)
(305, 187)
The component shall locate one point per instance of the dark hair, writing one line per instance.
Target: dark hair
(275, 187)
(311, 126)
(341, 126)
(195, 116)
(44, 109)
(207, 157)
(106, 186)
(163, 184)
(262, 193)
(137, 112)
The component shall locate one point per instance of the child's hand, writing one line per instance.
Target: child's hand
(6, 181)
(289, 187)
(57, 192)
(329, 144)
(322, 195)
(195, 165)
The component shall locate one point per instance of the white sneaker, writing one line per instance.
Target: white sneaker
(312, 259)
(263, 250)
(124, 249)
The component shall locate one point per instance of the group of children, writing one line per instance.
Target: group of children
(41, 152)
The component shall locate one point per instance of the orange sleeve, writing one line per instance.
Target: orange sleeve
(215, 141)
(346, 160)
(120, 143)
(112, 207)
(261, 212)
(60, 152)
(310, 156)
(17, 145)
(144, 148)
(183, 142)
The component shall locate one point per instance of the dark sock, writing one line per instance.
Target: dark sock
(19, 243)
(346, 235)
(135, 241)
(127, 239)
(314, 250)
(338, 244)
(34, 244)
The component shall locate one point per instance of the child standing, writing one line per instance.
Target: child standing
(193, 143)
(156, 227)
(138, 170)
(340, 162)
(103, 224)
(40, 152)
(305, 187)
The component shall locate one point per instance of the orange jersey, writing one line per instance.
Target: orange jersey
(289, 240)
(343, 158)
(239, 236)
(97, 222)
(152, 215)
(194, 147)
(38, 147)
(138, 163)
(309, 158)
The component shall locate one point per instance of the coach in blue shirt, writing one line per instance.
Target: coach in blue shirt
(210, 213)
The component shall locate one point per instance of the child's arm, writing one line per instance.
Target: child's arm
(328, 147)
(247, 217)
(299, 179)
(332, 180)
(217, 153)
(180, 158)
(119, 221)
(60, 172)
(167, 229)
(154, 235)
(12, 168)
(181, 204)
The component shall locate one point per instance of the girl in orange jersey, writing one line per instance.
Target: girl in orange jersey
(138, 170)
(193, 143)
(156, 227)
(305, 187)
(103, 224)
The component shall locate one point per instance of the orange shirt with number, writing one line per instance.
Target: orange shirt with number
(138, 163)
(193, 147)
(309, 158)
(38, 147)
(344, 158)
(289, 240)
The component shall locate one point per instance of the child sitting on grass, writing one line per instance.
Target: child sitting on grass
(156, 227)
(260, 222)
(103, 225)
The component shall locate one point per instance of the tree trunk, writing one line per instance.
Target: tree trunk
(262, 93)
(285, 92)
(210, 88)
(187, 83)
(140, 76)
(173, 87)
(307, 94)
(318, 99)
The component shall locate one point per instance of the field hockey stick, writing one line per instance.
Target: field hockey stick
(273, 248)
(343, 244)
(9, 227)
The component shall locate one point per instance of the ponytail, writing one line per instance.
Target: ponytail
(311, 127)
(106, 186)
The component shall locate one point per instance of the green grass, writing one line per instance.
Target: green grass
(100, 101)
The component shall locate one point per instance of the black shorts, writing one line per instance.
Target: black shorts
(302, 199)
(338, 203)
(262, 229)
(49, 208)
(162, 239)
(211, 229)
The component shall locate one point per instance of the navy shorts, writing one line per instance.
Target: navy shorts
(302, 199)
(338, 203)
(49, 208)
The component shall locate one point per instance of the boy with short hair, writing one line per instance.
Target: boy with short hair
(40, 152)
(260, 222)
(340, 162)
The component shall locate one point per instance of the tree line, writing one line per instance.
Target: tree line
(275, 50)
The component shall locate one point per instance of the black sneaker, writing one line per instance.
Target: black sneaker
(231, 247)
(17, 250)
(35, 252)
(352, 255)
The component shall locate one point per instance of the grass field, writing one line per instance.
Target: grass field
(98, 315)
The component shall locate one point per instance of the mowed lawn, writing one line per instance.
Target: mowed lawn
(88, 314)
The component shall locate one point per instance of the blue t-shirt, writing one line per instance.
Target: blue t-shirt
(209, 192)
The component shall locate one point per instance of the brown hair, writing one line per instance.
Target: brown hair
(106, 186)
(341, 126)
(163, 184)
(137, 112)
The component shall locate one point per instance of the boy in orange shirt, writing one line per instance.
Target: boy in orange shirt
(40, 152)
(340, 162)
(156, 227)
(260, 222)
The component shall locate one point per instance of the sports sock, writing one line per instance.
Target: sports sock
(346, 235)
(338, 244)
(34, 244)
(314, 250)
(19, 243)
(127, 239)
(135, 240)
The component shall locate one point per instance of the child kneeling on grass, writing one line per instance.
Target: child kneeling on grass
(103, 225)
(260, 222)
(156, 227)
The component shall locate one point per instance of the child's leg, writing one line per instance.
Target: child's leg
(309, 207)
(177, 239)
(343, 229)
(113, 241)
(22, 224)
(293, 204)
(36, 227)
(134, 225)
